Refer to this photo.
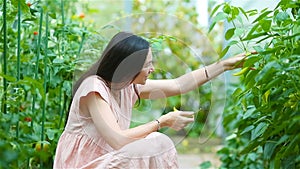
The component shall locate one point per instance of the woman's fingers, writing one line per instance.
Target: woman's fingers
(242, 57)
(186, 117)
(181, 119)
(187, 113)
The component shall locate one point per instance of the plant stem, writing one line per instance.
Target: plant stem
(37, 62)
(4, 105)
(61, 109)
(45, 78)
(240, 38)
(19, 40)
(82, 41)
(38, 53)
(62, 12)
(60, 106)
(18, 60)
(63, 24)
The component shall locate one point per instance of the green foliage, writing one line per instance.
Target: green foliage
(49, 45)
(263, 116)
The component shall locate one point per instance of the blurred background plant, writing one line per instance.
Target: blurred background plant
(41, 41)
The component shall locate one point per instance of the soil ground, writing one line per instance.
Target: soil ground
(194, 151)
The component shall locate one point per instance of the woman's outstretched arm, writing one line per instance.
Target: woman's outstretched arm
(154, 89)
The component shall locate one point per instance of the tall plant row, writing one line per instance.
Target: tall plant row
(40, 46)
(263, 116)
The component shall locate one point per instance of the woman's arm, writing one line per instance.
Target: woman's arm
(109, 129)
(154, 89)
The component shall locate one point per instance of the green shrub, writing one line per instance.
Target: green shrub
(263, 116)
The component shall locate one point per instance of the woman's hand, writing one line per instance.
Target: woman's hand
(236, 61)
(177, 120)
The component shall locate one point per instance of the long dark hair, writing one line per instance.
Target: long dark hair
(120, 62)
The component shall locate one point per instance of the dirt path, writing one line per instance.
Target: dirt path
(194, 151)
(192, 161)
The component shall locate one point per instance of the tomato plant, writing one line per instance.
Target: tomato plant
(263, 116)
(42, 44)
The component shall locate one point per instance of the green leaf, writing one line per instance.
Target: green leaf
(58, 61)
(9, 155)
(279, 128)
(266, 73)
(265, 24)
(227, 8)
(273, 83)
(269, 148)
(265, 9)
(282, 139)
(248, 113)
(224, 51)
(9, 78)
(258, 49)
(243, 12)
(232, 136)
(157, 46)
(229, 33)
(34, 84)
(220, 16)
(252, 156)
(51, 133)
(205, 165)
(215, 9)
(250, 61)
(250, 147)
(237, 92)
(252, 12)
(232, 43)
(111, 27)
(249, 80)
(52, 15)
(254, 36)
(235, 12)
(211, 26)
(262, 16)
(259, 130)
(247, 129)
(281, 16)
(252, 30)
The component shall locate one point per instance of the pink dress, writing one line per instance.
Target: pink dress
(81, 146)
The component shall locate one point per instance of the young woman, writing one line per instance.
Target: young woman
(97, 134)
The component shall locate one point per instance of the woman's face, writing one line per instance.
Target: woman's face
(146, 70)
